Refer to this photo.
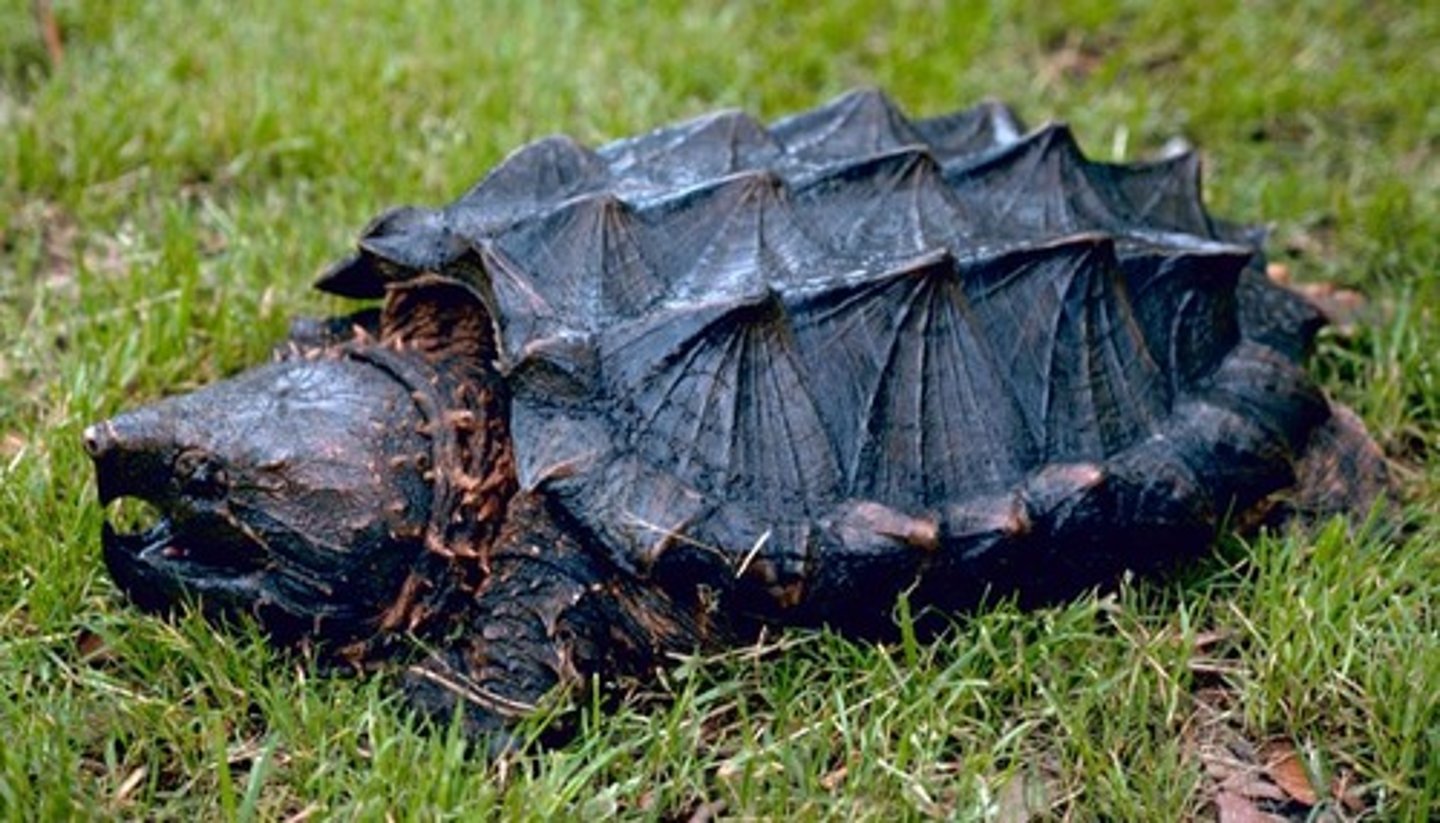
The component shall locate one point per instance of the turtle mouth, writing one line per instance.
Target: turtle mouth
(159, 557)
(139, 529)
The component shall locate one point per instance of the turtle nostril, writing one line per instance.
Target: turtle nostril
(95, 440)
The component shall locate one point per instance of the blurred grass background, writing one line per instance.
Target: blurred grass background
(169, 189)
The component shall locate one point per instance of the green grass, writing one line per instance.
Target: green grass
(167, 194)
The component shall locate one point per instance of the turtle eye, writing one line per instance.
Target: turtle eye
(200, 474)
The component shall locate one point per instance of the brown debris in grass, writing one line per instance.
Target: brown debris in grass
(64, 248)
(1235, 808)
(1071, 59)
(1283, 766)
(1244, 781)
(12, 444)
(49, 32)
(1344, 308)
(707, 811)
(92, 648)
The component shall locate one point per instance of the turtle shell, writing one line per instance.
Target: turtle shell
(739, 353)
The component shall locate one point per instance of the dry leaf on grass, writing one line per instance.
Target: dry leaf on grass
(834, 778)
(93, 649)
(1235, 808)
(49, 32)
(1283, 765)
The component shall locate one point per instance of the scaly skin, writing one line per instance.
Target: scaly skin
(551, 614)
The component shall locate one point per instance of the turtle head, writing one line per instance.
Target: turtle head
(304, 492)
(295, 492)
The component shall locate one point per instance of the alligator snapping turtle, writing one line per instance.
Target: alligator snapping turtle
(651, 397)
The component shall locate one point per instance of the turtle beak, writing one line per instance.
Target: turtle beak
(132, 455)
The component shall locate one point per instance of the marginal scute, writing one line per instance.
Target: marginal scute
(410, 239)
(639, 512)
(1275, 316)
(397, 245)
(1184, 303)
(1270, 392)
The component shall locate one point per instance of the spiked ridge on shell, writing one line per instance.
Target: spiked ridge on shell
(717, 331)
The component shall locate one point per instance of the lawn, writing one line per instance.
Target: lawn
(171, 187)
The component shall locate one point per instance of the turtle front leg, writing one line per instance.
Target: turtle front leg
(552, 613)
